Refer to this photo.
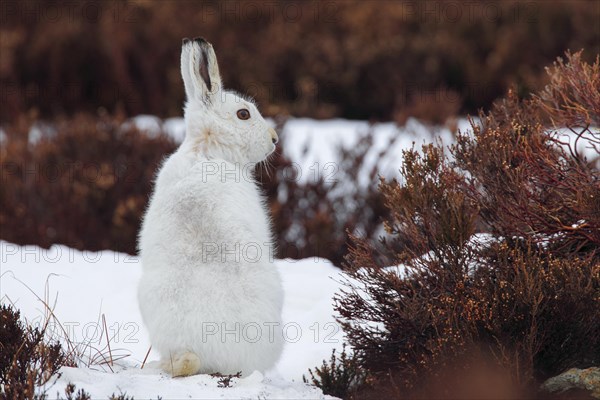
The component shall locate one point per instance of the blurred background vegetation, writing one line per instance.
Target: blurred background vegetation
(352, 59)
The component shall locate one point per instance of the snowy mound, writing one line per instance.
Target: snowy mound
(82, 287)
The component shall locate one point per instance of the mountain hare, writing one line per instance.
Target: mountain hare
(210, 294)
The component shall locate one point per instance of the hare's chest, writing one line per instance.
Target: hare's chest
(243, 205)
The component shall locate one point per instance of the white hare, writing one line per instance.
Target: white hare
(210, 294)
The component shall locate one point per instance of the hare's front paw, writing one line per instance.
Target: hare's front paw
(182, 364)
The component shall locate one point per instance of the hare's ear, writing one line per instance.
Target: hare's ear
(199, 70)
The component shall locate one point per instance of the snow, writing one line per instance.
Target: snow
(149, 124)
(146, 384)
(83, 286)
(176, 128)
(314, 145)
(585, 144)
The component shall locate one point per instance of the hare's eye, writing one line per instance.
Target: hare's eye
(243, 114)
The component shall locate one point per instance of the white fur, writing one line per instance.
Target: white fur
(205, 242)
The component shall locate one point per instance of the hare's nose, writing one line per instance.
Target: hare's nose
(274, 137)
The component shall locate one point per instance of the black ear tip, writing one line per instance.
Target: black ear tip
(185, 41)
(200, 40)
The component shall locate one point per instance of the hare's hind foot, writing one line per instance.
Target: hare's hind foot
(182, 364)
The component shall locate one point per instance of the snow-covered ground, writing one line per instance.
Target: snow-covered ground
(81, 287)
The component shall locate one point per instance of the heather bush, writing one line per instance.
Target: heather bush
(538, 184)
(27, 359)
(339, 376)
(495, 254)
(84, 182)
(30, 361)
(71, 394)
